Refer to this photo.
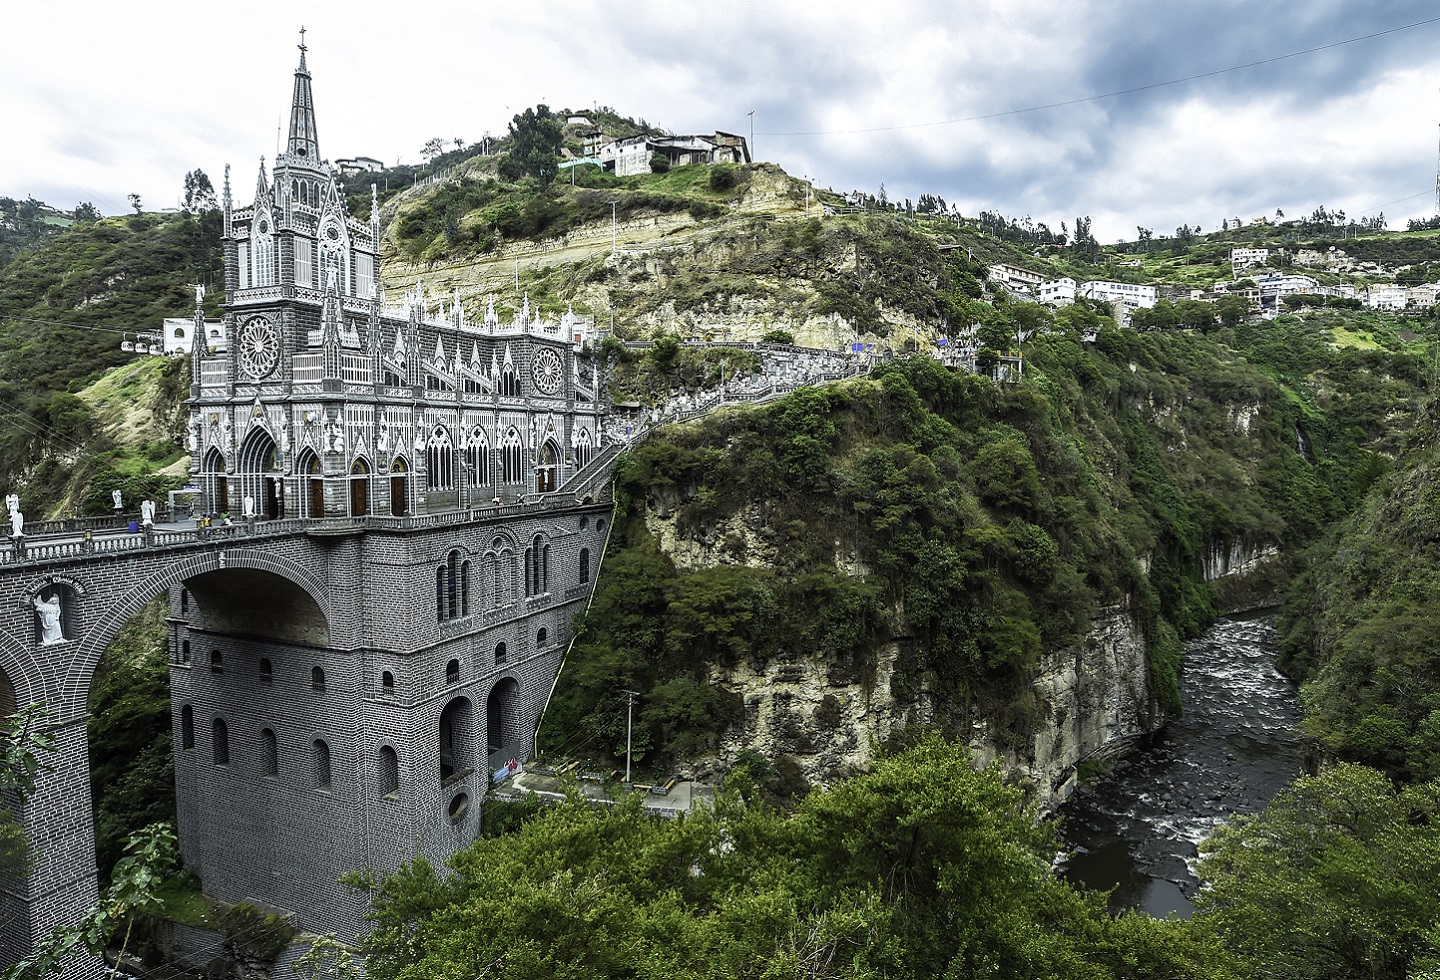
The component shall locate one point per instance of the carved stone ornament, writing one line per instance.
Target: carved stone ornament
(547, 371)
(259, 348)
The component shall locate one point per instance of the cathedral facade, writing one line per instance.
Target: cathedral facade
(325, 404)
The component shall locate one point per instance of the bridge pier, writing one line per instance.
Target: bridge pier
(61, 882)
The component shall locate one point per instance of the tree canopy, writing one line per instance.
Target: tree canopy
(535, 139)
(922, 867)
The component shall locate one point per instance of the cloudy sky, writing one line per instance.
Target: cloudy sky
(1136, 112)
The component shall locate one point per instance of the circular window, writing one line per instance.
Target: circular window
(547, 371)
(259, 348)
(459, 806)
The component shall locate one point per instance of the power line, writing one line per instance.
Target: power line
(1108, 95)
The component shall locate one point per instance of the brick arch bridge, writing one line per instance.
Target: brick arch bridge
(313, 667)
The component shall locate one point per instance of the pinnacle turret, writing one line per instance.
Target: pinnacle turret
(304, 144)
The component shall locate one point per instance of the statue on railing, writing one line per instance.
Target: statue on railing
(17, 523)
(48, 610)
(147, 512)
(119, 501)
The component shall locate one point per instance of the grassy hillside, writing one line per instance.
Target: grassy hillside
(63, 309)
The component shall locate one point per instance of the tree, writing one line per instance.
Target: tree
(535, 139)
(659, 163)
(1335, 879)
(23, 747)
(433, 148)
(199, 193)
(1232, 309)
(133, 893)
(134, 200)
(85, 213)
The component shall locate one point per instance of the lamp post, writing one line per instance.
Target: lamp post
(629, 727)
(751, 114)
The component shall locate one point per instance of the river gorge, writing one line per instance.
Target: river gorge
(1136, 829)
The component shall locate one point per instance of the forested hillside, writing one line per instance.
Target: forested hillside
(64, 308)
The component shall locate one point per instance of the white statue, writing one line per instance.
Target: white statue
(334, 436)
(17, 523)
(49, 612)
(194, 438)
(199, 294)
(115, 496)
(383, 443)
(249, 506)
(12, 503)
(147, 512)
(285, 436)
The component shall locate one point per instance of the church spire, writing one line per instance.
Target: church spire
(304, 145)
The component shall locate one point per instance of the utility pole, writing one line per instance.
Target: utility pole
(613, 203)
(751, 114)
(629, 727)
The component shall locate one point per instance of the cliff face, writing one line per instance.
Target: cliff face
(1089, 700)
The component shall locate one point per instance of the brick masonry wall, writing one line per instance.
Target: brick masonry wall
(278, 837)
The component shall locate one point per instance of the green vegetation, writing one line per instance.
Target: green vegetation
(1336, 879)
(25, 746)
(475, 213)
(991, 523)
(921, 867)
(132, 778)
(59, 307)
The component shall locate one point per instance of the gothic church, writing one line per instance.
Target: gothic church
(344, 710)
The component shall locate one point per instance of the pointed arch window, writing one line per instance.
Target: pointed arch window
(477, 457)
(187, 727)
(584, 448)
(547, 468)
(262, 254)
(509, 381)
(440, 460)
(512, 458)
(452, 587)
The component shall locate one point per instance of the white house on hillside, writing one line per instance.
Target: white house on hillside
(1244, 258)
(1130, 294)
(1386, 296)
(632, 156)
(1012, 276)
(178, 331)
(1057, 292)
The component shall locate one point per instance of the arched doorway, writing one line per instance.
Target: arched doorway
(217, 488)
(399, 486)
(547, 468)
(457, 739)
(314, 480)
(359, 489)
(503, 735)
(259, 476)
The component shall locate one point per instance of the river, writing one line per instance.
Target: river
(1137, 828)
